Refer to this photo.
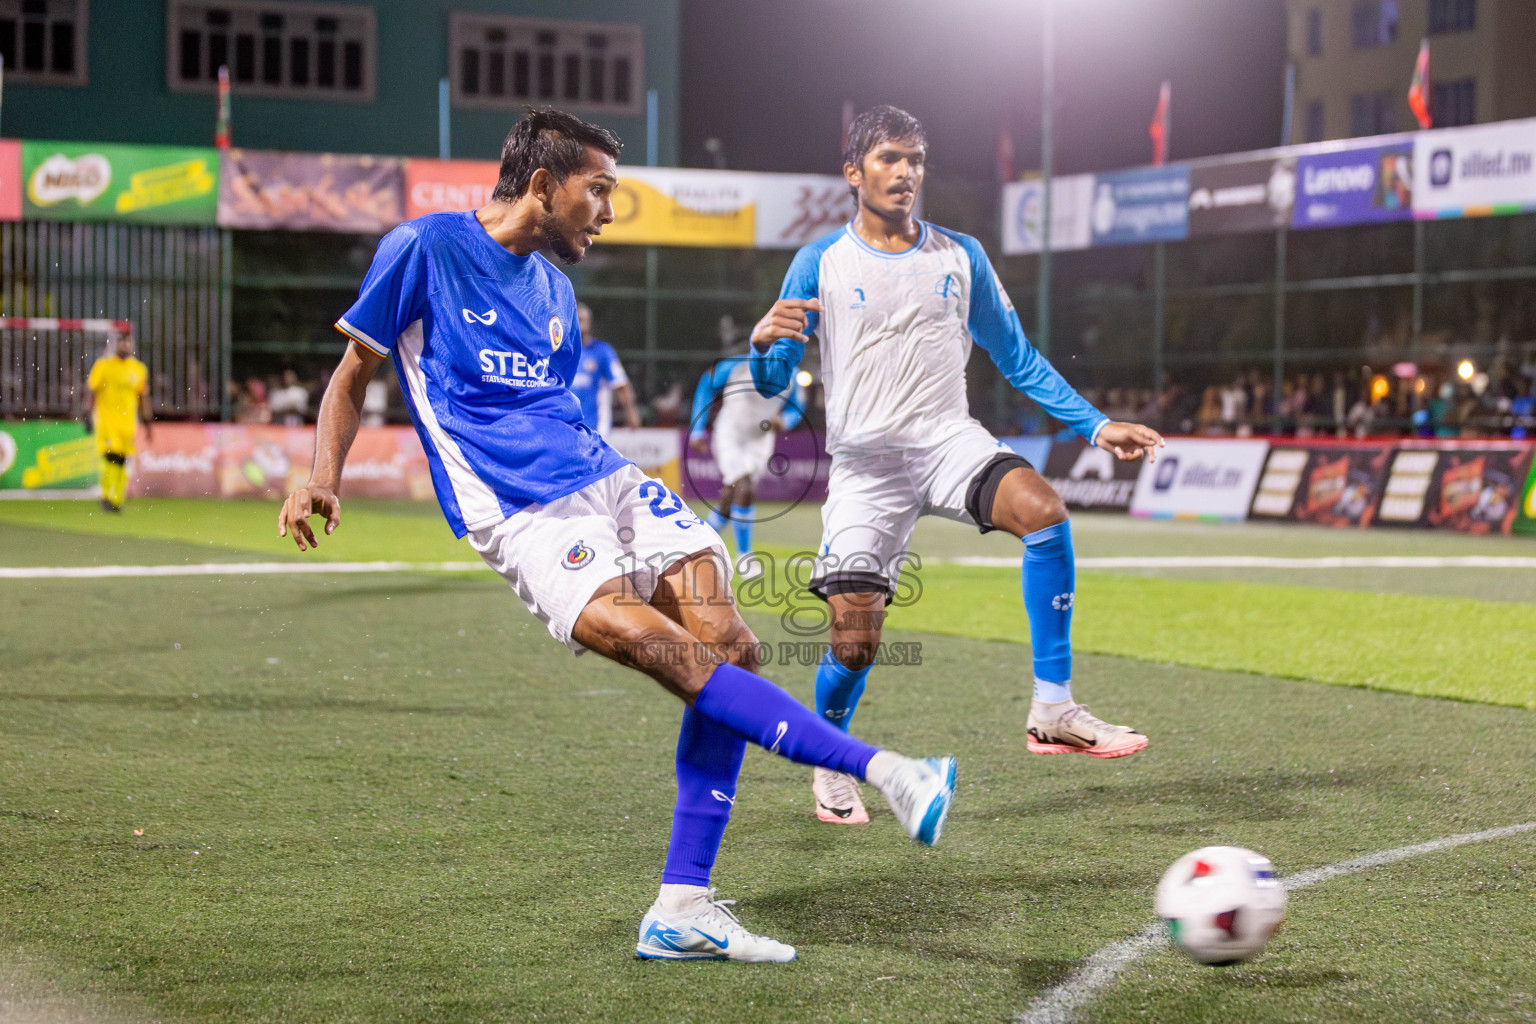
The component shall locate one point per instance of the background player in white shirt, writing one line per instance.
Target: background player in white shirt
(745, 430)
(896, 304)
(482, 332)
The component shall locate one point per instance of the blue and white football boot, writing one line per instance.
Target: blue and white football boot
(710, 932)
(920, 792)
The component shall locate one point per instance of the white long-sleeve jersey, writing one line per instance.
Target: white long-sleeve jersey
(896, 332)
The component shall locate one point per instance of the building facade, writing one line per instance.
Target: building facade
(1355, 59)
(349, 76)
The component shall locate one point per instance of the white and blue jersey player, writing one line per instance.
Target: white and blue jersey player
(896, 305)
(599, 379)
(482, 330)
(746, 428)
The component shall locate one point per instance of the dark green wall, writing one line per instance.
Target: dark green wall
(127, 99)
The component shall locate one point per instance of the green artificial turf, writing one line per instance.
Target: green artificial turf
(394, 798)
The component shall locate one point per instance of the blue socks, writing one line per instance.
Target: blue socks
(742, 517)
(1050, 583)
(708, 761)
(838, 690)
(716, 520)
(755, 708)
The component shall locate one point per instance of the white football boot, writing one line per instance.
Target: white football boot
(710, 932)
(920, 792)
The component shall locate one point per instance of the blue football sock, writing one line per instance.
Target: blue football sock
(708, 760)
(741, 519)
(716, 520)
(1050, 583)
(838, 689)
(750, 705)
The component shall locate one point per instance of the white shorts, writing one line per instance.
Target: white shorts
(874, 500)
(742, 453)
(556, 555)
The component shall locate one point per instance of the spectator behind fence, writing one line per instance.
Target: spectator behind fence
(251, 404)
(290, 403)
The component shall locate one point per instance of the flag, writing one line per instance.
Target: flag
(1004, 155)
(1159, 128)
(1418, 89)
(221, 129)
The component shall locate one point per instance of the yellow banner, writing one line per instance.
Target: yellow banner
(669, 206)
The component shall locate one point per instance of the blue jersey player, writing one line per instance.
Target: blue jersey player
(599, 379)
(896, 305)
(482, 331)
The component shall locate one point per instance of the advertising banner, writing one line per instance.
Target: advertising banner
(1332, 485)
(1525, 521)
(797, 472)
(1247, 195)
(10, 179)
(658, 451)
(669, 206)
(1354, 186)
(46, 455)
(1024, 214)
(1471, 488)
(1150, 204)
(1199, 478)
(310, 191)
(1475, 172)
(795, 209)
(448, 186)
(244, 461)
(148, 184)
(1091, 478)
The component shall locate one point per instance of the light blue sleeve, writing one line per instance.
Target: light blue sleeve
(994, 325)
(794, 407)
(393, 295)
(773, 368)
(710, 386)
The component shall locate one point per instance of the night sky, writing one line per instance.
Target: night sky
(769, 78)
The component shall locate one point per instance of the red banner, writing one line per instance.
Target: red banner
(10, 179)
(222, 460)
(438, 186)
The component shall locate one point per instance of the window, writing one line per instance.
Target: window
(1452, 16)
(500, 63)
(1315, 32)
(1453, 103)
(1314, 131)
(1372, 113)
(1373, 23)
(322, 51)
(43, 41)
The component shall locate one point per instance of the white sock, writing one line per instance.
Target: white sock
(682, 899)
(1052, 693)
(879, 768)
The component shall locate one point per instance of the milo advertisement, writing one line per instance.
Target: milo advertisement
(147, 184)
(1525, 522)
(46, 455)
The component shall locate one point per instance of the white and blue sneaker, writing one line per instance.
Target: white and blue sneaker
(710, 932)
(920, 792)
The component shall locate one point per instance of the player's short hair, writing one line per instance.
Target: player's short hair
(553, 140)
(881, 124)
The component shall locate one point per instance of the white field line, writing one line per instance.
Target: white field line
(1056, 1005)
(1129, 562)
(96, 572)
(1266, 562)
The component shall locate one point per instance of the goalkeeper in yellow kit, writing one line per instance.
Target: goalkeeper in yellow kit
(119, 396)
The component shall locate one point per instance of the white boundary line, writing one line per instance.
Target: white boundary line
(1057, 1004)
(1148, 562)
(1265, 562)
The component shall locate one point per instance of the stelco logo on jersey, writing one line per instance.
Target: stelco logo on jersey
(513, 369)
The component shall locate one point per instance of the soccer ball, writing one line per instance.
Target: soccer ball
(1222, 903)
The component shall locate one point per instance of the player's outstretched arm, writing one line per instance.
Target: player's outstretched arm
(778, 343)
(1129, 441)
(341, 411)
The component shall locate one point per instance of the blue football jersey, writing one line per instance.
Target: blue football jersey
(597, 374)
(485, 343)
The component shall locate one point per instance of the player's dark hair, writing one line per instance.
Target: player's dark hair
(553, 140)
(881, 124)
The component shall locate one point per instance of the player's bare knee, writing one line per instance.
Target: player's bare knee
(740, 647)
